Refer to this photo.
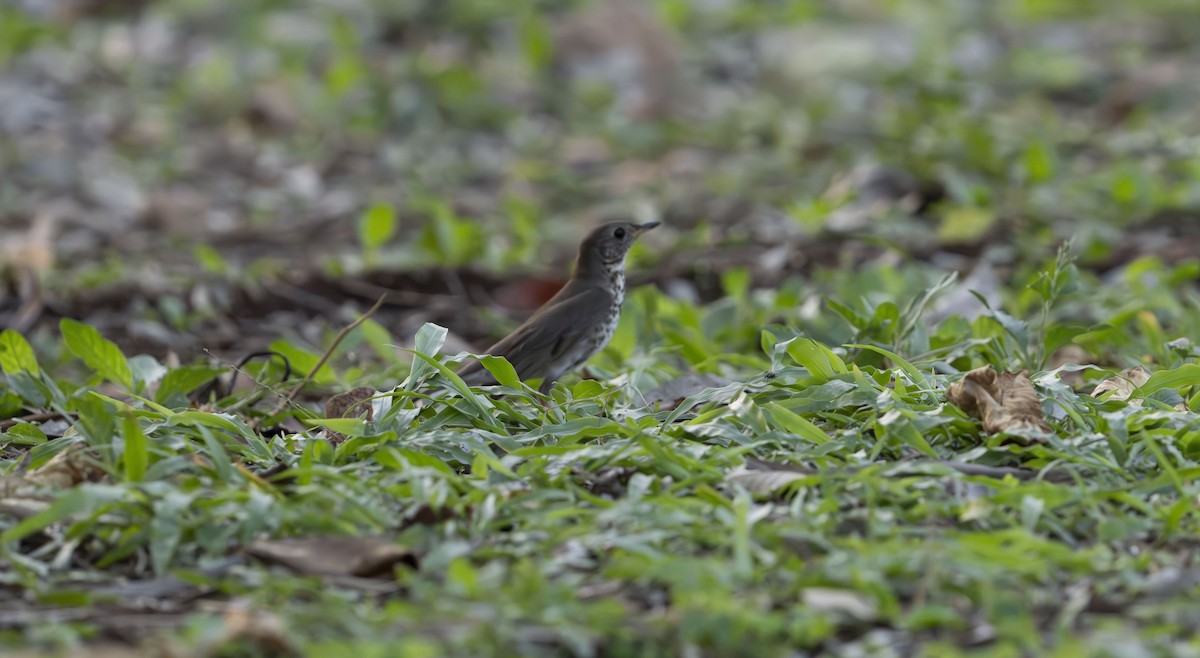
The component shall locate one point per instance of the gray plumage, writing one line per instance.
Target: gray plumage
(578, 321)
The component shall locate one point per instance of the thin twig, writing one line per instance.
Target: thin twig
(215, 388)
(337, 340)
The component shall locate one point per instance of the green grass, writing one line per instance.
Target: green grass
(594, 524)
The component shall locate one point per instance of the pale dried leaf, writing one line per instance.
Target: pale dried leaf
(33, 251)
(839, 602)
(334, 556)
(1004, 402)
(763, 478)
(1123, 384)
(245, 626)
(72, 466)
(22, 508)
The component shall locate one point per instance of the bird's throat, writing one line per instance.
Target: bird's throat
(615, 273)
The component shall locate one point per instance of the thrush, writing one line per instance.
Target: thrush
(578, 321)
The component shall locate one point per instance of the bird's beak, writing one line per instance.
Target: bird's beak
(642, 228)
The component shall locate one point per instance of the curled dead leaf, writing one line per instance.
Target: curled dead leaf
(1123, 384)
(351, 404)
(1004, 402)
(334, 556)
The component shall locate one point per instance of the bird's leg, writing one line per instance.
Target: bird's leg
(544, 388)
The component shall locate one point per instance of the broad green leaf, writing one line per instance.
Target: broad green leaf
(502, 370)
(480, 404)
(1018, 329)
(819, 360)
(848, 314)
(210, 259)
(536, 40)
(137, 453)
(96, 415)
(429, 340)
(736, 282)
(897, 423)
(16, 355)
(380, 340)
(574, 430)
(965, 224)
(146, 369)
(217, 455)
(377, 225)
(1039, 162)
(177, 383)
(349, 449)
(485, 461)
(30, 388)
(11, 404)
(1031, 510)
(1177, 378)
(909, 369)
(99, 353)
(792, 422)
(347, 426)
(202, 419)
(303, 361)
(721, 393)
(25, 434)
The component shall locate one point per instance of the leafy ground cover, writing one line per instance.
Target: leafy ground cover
(780, 452)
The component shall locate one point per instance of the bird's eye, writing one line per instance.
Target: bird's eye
(619, 233)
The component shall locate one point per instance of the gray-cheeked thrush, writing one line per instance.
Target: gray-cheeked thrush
(578, 321)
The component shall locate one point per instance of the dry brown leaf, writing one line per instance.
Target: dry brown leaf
(351, 404)
(261, 628)
(72, 466)
(1005, 402)
(244, 630)
(334, 556)
(1123, 384)
(29, 257)
(33, 251)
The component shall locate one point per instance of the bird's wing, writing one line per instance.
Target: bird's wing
(548, 334)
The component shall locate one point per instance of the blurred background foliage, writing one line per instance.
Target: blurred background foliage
(201, 165)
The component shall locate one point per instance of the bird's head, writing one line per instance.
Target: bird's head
(609, 243)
